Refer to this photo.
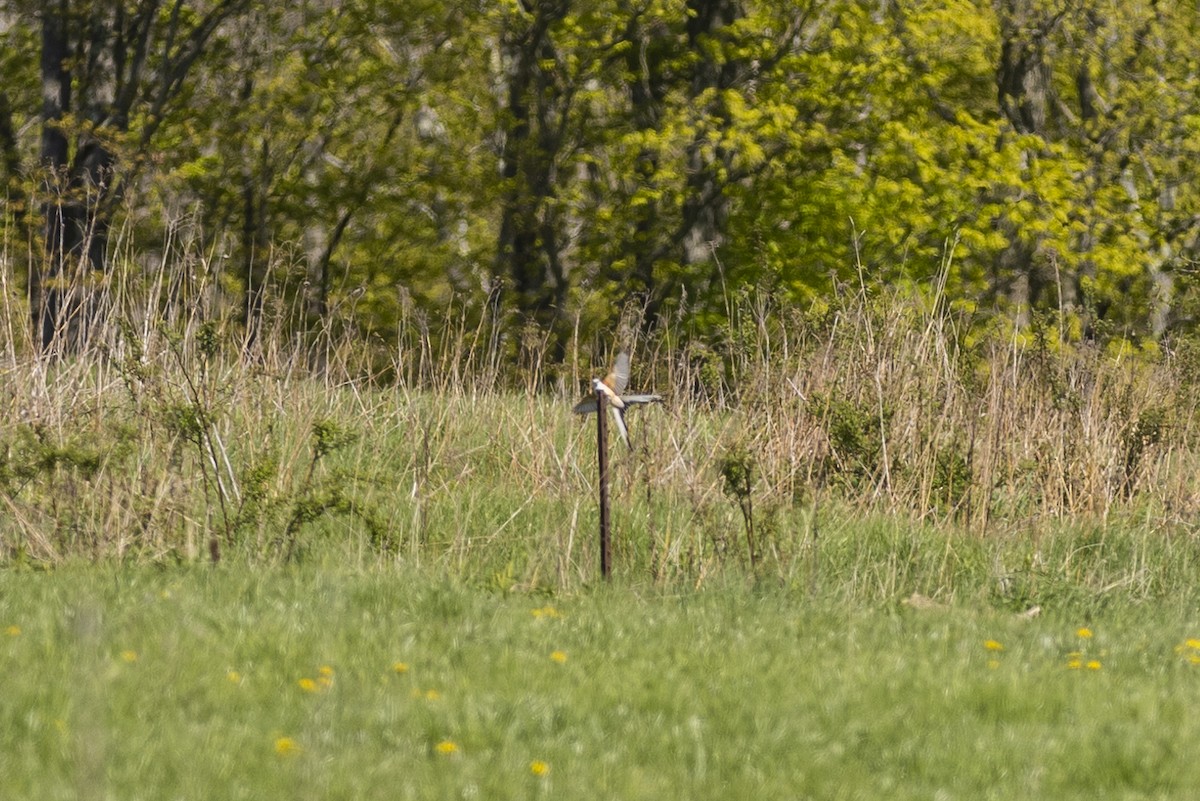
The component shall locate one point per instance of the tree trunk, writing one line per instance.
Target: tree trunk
(647, 93)
(10, 157)
(705, 207)
(45, 285)
(104, 49)
(529, 247)
(659, 61)
(1023, 93)
(254, 247)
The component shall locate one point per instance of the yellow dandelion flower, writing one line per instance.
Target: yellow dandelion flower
(447, 747)
(992, 645)
(165, 595)
(993, 663)
(559, 657)
(326, 671)
(13, 631)
(1192, 643)
(1093, 664)
(129, 656)
(1084, 633)
(400, 667)
(432, 695)
(286, 746)
(308, 685)
(545, 611)
(1074, 664)
(1194, 659)
(234, 677)
(538, 768)
(325, 682)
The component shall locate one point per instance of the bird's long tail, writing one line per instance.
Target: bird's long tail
(619, 417)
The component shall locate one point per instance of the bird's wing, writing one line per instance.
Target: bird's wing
(618, 379)
(589, 404)
(631, 400)
(619, 417)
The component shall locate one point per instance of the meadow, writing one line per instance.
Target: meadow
(864, 549)
(201, 682)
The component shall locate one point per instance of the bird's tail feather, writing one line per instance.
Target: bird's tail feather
(641, 399)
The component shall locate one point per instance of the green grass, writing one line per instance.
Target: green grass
(147, 683)
(433, 514)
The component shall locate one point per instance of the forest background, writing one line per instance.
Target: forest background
(551, 165)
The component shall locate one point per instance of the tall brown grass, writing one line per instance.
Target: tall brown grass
(170, 431)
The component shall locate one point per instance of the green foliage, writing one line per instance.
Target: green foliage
(737, 474)
(378, 163)
(35, 453)
(328, 436)
(737, 471)
(952, 476)
(257, 480)
(321, 495)
(184, 420)
(60, 473)
(855, 434)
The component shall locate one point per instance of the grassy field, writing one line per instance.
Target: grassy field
(374, 574)
(160, 445)
(199, 683)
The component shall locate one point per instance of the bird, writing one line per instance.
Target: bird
(613, 386)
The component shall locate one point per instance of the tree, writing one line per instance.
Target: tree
(555, 163)
(110, 73)
(533, 128)
(706, 118)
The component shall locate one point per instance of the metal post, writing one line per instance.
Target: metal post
(602, 459)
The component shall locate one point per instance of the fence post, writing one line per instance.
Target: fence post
(602, 459)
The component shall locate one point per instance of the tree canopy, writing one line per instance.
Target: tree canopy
(556, 163)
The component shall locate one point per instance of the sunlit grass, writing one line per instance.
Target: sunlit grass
(166, 443)
(974, 570)
(429, 688)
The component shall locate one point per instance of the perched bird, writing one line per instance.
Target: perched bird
(613, 385)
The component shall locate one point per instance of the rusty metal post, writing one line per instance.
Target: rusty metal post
(602, 459)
